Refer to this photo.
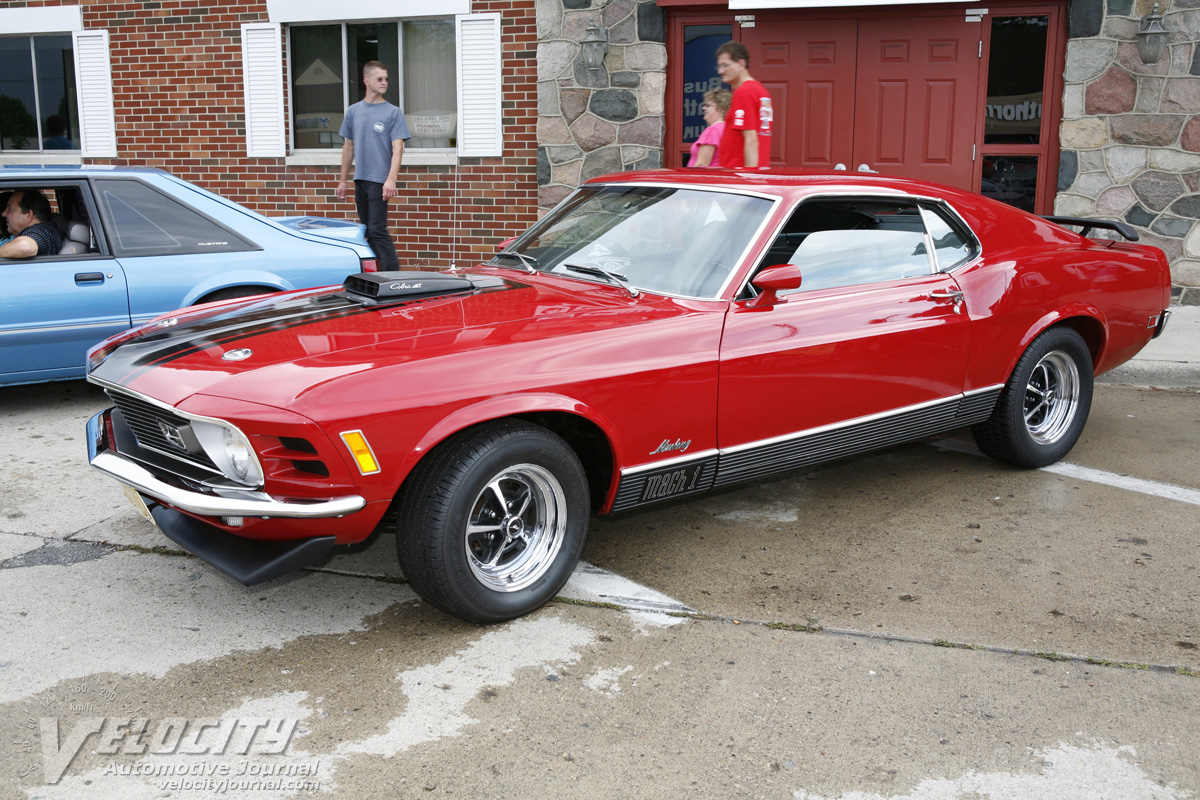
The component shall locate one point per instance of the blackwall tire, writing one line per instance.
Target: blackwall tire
(1045, 404)
(493, 521)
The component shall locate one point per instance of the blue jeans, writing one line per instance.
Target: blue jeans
(372, 212)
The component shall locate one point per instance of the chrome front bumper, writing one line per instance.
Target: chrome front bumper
(248, 504)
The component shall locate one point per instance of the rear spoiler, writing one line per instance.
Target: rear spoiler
(1087, 225)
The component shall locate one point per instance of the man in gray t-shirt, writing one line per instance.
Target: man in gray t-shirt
(374, 132)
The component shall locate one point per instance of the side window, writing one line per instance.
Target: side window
(68, 213)
(951, 247)
(847, 242)
(148, 223)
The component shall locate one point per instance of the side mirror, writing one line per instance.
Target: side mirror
(504, 245)
(771, 281)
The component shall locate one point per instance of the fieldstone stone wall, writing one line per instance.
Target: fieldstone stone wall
(595, 121)
(1130, 133)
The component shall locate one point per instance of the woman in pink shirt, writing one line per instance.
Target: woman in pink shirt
(704, 149)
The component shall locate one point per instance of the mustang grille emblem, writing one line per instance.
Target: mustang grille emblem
(668, 446)
(173, 436)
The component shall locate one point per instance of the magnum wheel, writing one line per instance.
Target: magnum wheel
(492, 523)
(1045, 404)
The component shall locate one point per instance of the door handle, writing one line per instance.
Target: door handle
(951, 295)
(89, 277)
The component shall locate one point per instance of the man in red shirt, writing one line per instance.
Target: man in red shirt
(746, 143)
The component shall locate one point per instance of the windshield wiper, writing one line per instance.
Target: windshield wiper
(610, 275)
(528, 262)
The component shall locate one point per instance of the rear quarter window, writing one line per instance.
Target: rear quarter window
(952, 246)
(146, 222)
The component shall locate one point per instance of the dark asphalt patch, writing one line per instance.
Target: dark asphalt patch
(58, 552)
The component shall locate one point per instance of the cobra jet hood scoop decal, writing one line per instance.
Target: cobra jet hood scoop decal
(382, 287)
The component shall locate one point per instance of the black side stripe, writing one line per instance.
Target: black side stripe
(803, 449)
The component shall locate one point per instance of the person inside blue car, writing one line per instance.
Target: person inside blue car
(5, 236)
(28, 216)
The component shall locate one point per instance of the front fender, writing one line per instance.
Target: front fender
(511, 405)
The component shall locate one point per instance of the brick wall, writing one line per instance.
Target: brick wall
(177, 81)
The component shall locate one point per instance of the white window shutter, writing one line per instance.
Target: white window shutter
(93, 76)
(479, 61)
(262, 75)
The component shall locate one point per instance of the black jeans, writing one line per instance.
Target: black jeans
(372, 212)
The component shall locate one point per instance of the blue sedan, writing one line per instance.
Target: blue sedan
(140, 242)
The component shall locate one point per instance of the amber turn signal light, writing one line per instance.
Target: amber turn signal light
(363, 455)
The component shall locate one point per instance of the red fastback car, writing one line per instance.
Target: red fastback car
(657, 335)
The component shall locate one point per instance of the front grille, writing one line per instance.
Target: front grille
(143, 417)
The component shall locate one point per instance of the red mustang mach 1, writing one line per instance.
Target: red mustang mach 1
(657, 335)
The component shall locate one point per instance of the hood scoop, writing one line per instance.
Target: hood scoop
(377, 288)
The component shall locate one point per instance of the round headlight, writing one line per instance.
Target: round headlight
(230, 450)
(237, 450)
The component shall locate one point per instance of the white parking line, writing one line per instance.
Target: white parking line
(591, 583)
(1167, 491)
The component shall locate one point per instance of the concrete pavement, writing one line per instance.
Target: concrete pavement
(1172, 361)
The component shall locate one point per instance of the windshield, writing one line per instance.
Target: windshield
(666, 240)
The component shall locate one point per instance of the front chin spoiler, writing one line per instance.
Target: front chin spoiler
(250, 561)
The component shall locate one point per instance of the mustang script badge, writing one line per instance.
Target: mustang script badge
(668, 446)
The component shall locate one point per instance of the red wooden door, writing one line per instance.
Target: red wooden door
(808, 67)
(916, 94)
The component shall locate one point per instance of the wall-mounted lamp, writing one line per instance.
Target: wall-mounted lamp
(595, 45)
(1151, 37)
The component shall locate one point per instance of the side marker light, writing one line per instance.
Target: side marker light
(363, 455)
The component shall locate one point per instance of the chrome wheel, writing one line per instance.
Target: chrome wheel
(516, 528)
(1045, 403)
(1051, 397)
(492, 521)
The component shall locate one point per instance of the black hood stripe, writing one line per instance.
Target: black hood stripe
(131, 359)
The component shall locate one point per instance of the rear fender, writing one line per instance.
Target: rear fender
(1086, 319)
(228, 280)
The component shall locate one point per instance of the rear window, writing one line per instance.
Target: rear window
(147, 222)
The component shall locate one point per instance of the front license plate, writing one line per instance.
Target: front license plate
(138, 502)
